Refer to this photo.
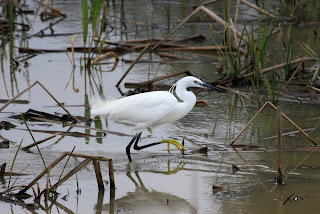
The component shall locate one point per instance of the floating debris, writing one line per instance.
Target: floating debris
(6, 125)
(235, 168)
(202, 150)
(4, 144)
(245, 147)
(216, 189)
(3, 169)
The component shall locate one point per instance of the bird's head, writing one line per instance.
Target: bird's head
(191, 81)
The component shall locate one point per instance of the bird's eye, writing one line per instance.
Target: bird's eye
(196, 82)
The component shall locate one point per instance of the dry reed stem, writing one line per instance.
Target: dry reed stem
(11, 190)
(52, 14)
(295, 125)
(167, 46)
(177, 28)
(131, 66)
(313, 88)
(34, 192)
(18, 95)
(112, 200)
(63, 155)
(222, 22)
(46, 196)
(99, 158)
(87, 160)
(38, 50)
(106, 54)
(204, 9)
(57, 10)
(252, 119)
(75, 119)
(236, 13)
(68, 175)
(111, 175)
(300, 162)
(279, 132)
(163, 45)
(283, 115)
(258, 9)
(288, 173)
(289, 133)
(40, 141)
(58, 205)
(233, 28)
(98, 174)
(235, 92)
(91, 157)
(149, 82)
(38, 188)
(48, 27)
(282, 65)
(209, 13)
(159, 86)
(201, 48)
(240, 156)
(171, 56)
(315, 75)
(133, 42)
(207, 2)
(74, 37)
(109, 42)
(44, 88)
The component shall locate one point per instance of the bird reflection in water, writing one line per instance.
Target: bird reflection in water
(144, 200)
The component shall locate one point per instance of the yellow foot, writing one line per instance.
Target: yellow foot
(175, 143)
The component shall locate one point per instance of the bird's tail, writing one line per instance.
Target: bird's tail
(97, 105)
(110, 109)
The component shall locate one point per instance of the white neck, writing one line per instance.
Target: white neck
(185, 95)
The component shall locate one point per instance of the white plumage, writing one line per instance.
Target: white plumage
(151, 109)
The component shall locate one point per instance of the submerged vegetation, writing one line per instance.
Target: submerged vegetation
(255, 51)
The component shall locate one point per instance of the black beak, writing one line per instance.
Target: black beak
(213, 87)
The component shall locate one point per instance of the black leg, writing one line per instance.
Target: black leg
(136, 147)
(134, 139)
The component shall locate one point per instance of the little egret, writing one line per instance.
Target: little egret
(152, 109)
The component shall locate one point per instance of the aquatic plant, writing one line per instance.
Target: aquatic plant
(289, 55)
(13, 162)
(271, 88)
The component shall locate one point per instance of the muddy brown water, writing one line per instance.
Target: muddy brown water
(158, 182)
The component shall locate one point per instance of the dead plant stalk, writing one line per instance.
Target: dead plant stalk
(279, 126)
(44, 88)
(283, 115)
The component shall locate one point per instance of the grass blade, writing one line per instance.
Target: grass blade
(34, 140)
(65, 165)
(310, 52)
(289, 55)
(14, 160)
(85, 20)
(101, 45)
(271, 90)
(96, 7)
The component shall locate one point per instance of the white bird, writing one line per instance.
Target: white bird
(152, 109)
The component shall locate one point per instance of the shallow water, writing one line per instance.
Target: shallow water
(156, 181)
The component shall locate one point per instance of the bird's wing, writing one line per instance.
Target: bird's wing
(138, 110)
